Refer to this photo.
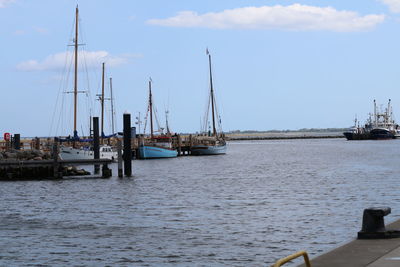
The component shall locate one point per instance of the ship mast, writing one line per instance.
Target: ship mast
(375, 115)
(76, 72)
(166, 122)
(388, 113)
(151, 109)
(212, 94)
(102, 102)
(112, 106)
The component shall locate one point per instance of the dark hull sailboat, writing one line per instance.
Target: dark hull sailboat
(214, 144)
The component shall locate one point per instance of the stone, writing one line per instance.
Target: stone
(10, 155)
(37, 153)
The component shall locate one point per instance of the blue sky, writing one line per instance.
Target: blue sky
(277, 64)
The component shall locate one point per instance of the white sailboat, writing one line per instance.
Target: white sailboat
(212, 143)
(76, 151)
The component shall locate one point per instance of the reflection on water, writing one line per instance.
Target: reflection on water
(260, 202)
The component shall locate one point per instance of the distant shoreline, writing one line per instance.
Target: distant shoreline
(284, 136)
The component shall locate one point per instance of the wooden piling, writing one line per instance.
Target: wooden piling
(96, 143)
(190, 140)
(119, 149)
(37, 143)
(127, 145)
(179, 145)
(105, 171)
(17, 141)
(56, 166)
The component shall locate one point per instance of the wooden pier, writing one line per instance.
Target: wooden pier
(50, 169)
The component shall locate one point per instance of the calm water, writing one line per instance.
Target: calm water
(262, 201)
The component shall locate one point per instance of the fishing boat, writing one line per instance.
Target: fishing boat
(155, 146)
(78, 151)
(379, 126)
(210, 143)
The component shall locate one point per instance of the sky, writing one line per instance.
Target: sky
(277, 64)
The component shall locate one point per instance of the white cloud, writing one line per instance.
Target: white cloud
(19, 32)
(294, 17)
(4, 3)
(92, 59)
(394, 5)
(41, 30)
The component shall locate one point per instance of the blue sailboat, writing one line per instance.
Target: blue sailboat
(159, 146)
(214, 143)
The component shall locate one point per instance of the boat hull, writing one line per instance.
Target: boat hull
(357, 136)
(69, 153)
(381, 134)
(208, 150)
(374, 134)
(153, 152)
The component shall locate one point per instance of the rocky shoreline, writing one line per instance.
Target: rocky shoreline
(33, 154)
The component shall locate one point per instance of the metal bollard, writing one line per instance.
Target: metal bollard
(373, 225)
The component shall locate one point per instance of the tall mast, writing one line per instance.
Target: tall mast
(102, 102)
(90, 123)
(76, 71)
(112, 106)
(375, 115)
(388, 113)
(212, 94)
(151, 109)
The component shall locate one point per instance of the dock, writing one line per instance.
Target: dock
(49, 169)
(363, 253)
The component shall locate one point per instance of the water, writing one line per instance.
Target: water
(262, 201)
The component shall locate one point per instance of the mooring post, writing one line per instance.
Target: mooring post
(96, 143)
(37, 143)
(179, 145)
(56, 165)
(190, 144)
(17, 141)
(119, 149)
(127, 145)
(106, 172)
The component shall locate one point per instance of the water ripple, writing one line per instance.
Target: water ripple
(262, 201)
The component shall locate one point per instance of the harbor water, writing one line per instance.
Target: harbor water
(262, 201)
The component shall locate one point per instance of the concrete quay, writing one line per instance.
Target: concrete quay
(363, 253)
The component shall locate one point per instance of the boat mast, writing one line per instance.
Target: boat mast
(151, 109)
(90, 123)
(102, 102)
(76, 71)
(375, 117)
(112, 106)
(212, 94)
(388, 113)
(166, 122)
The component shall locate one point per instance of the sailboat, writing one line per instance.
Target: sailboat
(212, 143)
(157, 146)
(76, 152)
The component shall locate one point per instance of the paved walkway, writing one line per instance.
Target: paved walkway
(363, 253)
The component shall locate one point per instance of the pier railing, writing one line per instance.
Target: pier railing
(292, 257)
